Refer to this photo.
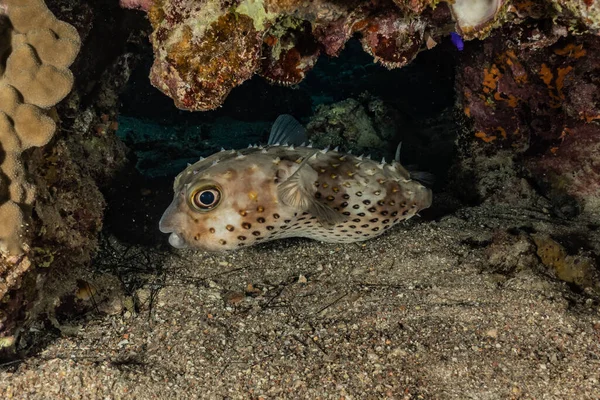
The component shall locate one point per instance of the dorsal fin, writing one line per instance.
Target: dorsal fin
(287, 130)
(397, 157)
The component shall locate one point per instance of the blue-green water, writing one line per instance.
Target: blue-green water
(164, 139)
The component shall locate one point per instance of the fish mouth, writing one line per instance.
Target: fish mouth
(168, 224)
(177, 241)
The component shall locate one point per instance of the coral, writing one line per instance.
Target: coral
(391, 38)
(203, 49)
(136, 4)
(477, 19)
(289, 50)
(572, 167)
(474, 17)
(199, 73)
(585, 13)
(365, 125)
(83, 156)
(38, 50)
(537, 95)
(578, 269)
(512, 252)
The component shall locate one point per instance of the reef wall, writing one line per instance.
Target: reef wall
(58, 108)
(531, 93)
(205, 48)
(37, 49)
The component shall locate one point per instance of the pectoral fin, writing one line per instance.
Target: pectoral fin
(326, 215)
(298, 191)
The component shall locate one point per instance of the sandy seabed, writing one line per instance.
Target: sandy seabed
(430, 310)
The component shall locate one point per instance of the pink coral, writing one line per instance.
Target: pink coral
(390, 38)
(136, 4)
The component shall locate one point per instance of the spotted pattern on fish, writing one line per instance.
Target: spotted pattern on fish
(275, 192)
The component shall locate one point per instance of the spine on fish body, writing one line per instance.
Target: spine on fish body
(237, 198)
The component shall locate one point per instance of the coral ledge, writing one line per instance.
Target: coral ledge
(205, 48)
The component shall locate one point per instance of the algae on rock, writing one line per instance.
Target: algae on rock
(365, 125)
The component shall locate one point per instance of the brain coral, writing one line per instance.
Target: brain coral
(37, 50)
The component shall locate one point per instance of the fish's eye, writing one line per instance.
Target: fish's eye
(206, 198)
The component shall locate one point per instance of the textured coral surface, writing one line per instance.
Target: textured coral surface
(537, 94)
(205, 48)
(37, 51)
(362, 126)
(67, 172)
(136, 4)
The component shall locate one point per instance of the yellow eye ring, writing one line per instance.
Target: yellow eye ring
(205, 198)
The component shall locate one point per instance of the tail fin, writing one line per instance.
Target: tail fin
(425, 178)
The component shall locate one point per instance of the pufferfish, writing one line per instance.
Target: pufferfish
(243, 197)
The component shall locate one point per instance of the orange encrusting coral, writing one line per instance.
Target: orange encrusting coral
(484, 136)
(518, 71)
(560, 79)
(555, 91)
(589, 118)
(511, 100)
(502, 131)
(546, 74)
(503, 79)
(467, 95)
(571, 50)
(491, 76)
